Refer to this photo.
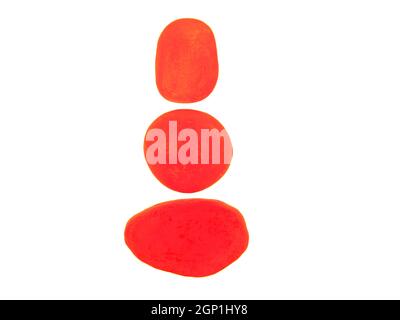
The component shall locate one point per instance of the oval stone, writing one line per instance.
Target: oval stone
(186, 61)
(189, 237)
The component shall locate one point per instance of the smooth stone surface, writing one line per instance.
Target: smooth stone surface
(190, 237)
(186, 61)
(182, 162)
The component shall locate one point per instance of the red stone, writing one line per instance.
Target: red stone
(170, 169)
(186, 61)
(190, 237)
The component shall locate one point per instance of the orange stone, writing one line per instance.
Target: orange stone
(186, 61)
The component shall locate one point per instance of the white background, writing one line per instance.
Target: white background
(309, 92)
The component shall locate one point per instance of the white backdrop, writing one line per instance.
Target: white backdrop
(309, 92)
